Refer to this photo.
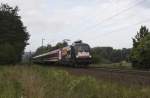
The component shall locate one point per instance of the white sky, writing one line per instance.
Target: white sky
(55, 20)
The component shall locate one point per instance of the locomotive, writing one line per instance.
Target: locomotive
(76, 55)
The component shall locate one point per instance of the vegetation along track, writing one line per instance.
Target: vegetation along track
(127, 77)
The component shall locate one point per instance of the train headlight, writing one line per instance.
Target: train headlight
(77, 56)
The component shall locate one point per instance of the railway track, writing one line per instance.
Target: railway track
(125, 71)
(123, 76)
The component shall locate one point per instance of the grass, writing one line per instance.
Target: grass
(44, 82)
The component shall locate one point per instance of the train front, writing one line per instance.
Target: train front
(82, 53)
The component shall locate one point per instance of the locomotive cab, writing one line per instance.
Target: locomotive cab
(82, 53)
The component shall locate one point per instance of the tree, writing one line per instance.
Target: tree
(43, 49)
(140, 55)
(60, 45)
(101, 54)
(13, 34)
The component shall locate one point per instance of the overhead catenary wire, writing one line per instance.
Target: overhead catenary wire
(91, 27)
(122, 28)
(143, 21)
(87, 18)
(111, 17)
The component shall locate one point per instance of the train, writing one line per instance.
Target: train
(76, 55)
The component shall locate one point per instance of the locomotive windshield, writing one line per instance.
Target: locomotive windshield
(82, 48)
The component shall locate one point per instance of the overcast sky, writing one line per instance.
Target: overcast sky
(97, 22)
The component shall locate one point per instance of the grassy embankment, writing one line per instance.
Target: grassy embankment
(43, 82)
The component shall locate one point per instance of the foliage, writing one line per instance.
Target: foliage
(44, 82)
(109, 55)
(13, 35)
(140, 55)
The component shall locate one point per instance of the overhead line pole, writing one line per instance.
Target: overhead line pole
(42, 44)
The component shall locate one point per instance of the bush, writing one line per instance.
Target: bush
(7, 54)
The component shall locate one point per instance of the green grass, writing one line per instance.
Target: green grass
(44, 82)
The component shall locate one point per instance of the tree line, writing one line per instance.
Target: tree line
(99, 54)
(109, 55)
